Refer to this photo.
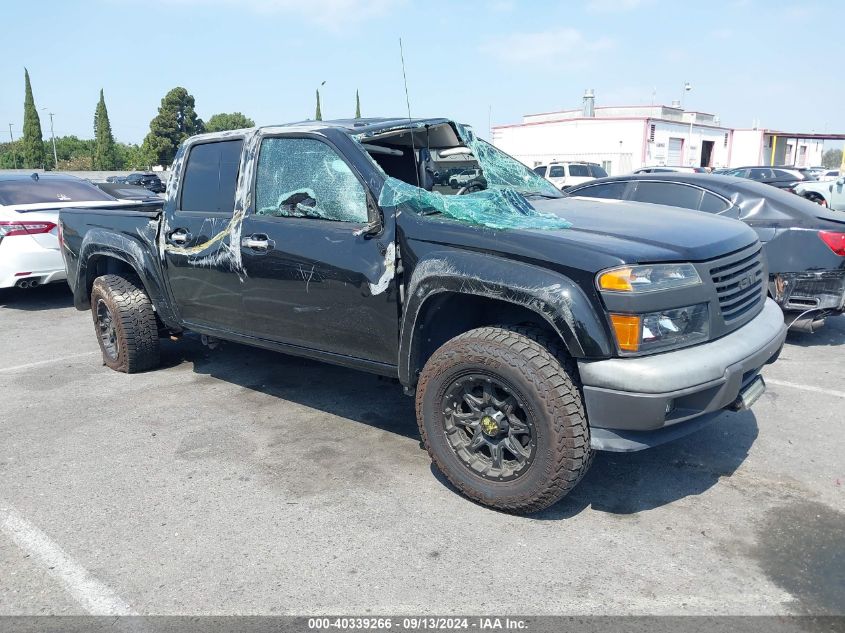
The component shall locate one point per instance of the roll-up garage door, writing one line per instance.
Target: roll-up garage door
(676, 150)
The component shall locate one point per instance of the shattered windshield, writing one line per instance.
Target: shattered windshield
(441, 169)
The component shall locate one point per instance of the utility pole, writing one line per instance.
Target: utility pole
(14, 154)
(53, 137)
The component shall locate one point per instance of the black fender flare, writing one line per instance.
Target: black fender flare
(553, 296)
(138, 253)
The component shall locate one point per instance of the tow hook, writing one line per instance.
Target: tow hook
(749, 395)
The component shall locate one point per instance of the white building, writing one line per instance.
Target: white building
(624, 138)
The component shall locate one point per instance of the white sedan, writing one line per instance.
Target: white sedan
(29, 216)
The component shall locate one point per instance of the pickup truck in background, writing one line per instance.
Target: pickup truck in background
(531, 330)
(827, 193)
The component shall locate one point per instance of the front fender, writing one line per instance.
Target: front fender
(553, 296)
(138, 252)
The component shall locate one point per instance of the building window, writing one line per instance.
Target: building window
(725, 144)
(607, 165)
(651, 133)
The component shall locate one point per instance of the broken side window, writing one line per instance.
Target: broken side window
(306, 178)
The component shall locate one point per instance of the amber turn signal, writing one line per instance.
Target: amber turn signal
(618, 279)
(627, 329)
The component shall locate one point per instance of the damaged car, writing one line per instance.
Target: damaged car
(804, 244)
(530, 329)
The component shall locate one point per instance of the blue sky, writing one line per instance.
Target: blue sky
(779, 62)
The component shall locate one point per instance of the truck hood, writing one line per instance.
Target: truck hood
(604, 233)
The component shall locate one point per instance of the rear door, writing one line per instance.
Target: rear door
(311, 278)
(198, 256)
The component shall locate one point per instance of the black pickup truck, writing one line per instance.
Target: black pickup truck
(532, 329)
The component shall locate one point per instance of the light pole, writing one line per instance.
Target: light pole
(687, 88)
(53, 138)
(14, 153)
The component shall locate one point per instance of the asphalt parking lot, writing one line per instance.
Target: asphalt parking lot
(238, 481)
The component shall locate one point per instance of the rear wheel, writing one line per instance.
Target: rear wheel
(125, 324)
(501, 416)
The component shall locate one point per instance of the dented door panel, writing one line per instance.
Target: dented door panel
(321, 287)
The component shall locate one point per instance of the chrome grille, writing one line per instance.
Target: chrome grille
(739, 284)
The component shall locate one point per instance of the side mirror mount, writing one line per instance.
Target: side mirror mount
(375, 225)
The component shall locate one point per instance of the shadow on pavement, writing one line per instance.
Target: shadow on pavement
(617, 483)
(347, 393)
(48, 297)
(627, 483)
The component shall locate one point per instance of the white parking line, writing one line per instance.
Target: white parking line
(49, 361)
(784, 383)
(89, 592)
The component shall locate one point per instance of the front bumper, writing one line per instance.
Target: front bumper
(636, 403)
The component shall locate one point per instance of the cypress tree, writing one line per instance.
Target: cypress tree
(318, 115)
(104, 150)
(33, 143)
(357, 105)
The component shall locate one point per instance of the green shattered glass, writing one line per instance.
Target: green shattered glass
(501, 205)
(497, 207)
(500, 170)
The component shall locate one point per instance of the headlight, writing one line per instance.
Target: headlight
(653, 331)
(648, 278)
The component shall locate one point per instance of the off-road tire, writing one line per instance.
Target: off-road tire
(134, 320)
(546, 379)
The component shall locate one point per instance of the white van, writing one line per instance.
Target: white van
(569, 174)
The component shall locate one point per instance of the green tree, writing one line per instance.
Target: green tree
(105, 156)
(357, 105)
(133, 157)
(832, 158)
(10, 155)
(318, 115)
(33, 143)
(223, 121)
(176, 120)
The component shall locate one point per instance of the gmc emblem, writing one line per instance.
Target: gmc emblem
(745, 282)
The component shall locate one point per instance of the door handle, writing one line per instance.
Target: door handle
(257, 242)
(179, 236)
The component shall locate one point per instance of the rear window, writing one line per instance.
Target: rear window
(579, 171)
(611, 190)
(556, 172)
(211, 177)
(598, 172)
(712, 203)
(30, 191)
(671, 194)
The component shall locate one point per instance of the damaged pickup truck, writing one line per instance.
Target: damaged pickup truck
(532, 329)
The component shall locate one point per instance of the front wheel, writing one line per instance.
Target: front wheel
(125, 323)
(502, 418)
